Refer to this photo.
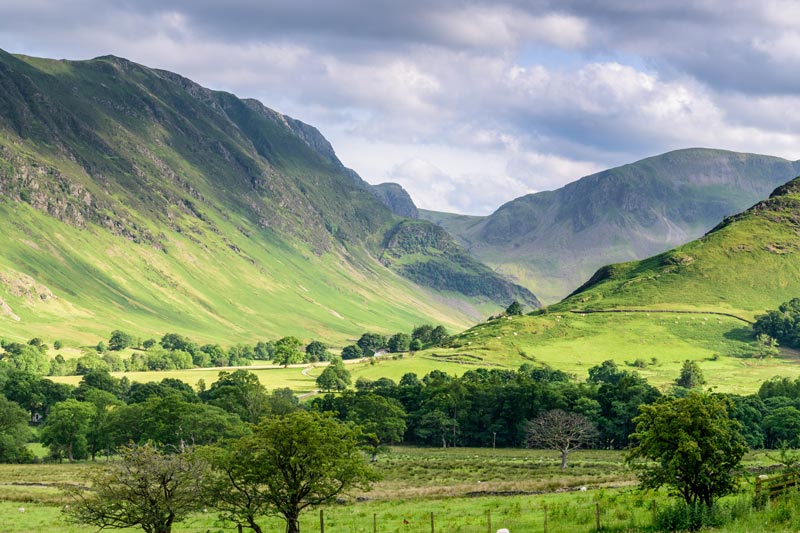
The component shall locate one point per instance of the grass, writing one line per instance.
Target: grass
(463, 487)
(653, 344)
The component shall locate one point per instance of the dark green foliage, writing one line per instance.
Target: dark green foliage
(287, 351)
(782, 427)
(352, 351)
(383, 420)
(317, 351)
(371, 343)
(172, 423)
(423, 333)
(58, 345)
(120, 340)
(288, 464)
(690, 445)
(399, 342)
(14, 433)
(238, 392)
(783, 324)
(416, 345)
(66, 430)
(691, 376)
(515, 309)
(334, 377)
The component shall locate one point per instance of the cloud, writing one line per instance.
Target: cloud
(467, 103)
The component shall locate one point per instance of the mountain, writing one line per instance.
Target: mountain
(552, 241)
(747, 264)
(692, 302)
(134, 198)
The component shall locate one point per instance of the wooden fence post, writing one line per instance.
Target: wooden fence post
(374, 522)
(433, 528)
(759, 480)
(597, 514)
(321, 521)
(545, 518)
(655, 510)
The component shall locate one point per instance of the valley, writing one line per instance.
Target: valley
(194, 287)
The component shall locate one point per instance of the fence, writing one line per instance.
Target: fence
(769, 487)
(530, 514)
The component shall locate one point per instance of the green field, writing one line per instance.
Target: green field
(653, 344)
(464, 488)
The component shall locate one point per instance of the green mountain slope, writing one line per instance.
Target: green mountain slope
(134, 198)
(747, 264)
(553, 241)
(693, 302)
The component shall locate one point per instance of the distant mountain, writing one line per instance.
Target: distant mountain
(552, 241)
(748, 263)
(133, 198)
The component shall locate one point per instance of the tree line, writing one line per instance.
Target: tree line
(176, 352)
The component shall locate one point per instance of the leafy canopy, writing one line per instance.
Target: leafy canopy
(688, 444)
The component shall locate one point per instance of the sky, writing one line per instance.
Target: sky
(467, 104)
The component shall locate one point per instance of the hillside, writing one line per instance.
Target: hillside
(552, 241)
(134, 198)
(748, 263)
(693, 302)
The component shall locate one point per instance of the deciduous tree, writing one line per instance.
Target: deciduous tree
(559, 430)
(689, 444)
(145, 488)
(288, 464)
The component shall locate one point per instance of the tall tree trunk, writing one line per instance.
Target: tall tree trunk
(292, 523)
(564, 459)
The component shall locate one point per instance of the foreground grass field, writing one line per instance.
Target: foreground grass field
(464, 488)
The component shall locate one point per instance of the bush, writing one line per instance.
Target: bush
(684, 517)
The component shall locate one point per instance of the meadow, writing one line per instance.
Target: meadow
(653, 344)
(466, 489)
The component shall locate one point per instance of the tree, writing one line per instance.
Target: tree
(352, 351)
(238, 392)
(562, 431)
(423, 333)
(371, 343)
(335, 376)
(689, 444)
(515, 309)
(66, 430)
(14, 433)
(120, 340)
(146, 489)
(288, 464)
(782, 426)
(438, 334)
(27, 358)
(691, 376)
(287, 351)
(98, 436)
(316, 351)
(382, 419)
(399, 342)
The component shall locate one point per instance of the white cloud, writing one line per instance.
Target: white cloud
(468, 103)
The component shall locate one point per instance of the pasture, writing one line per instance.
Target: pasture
(464, 488)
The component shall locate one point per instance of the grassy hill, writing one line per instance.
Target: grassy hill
(694, 302)
(553, 241)
(134, 198)
(745, 265)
